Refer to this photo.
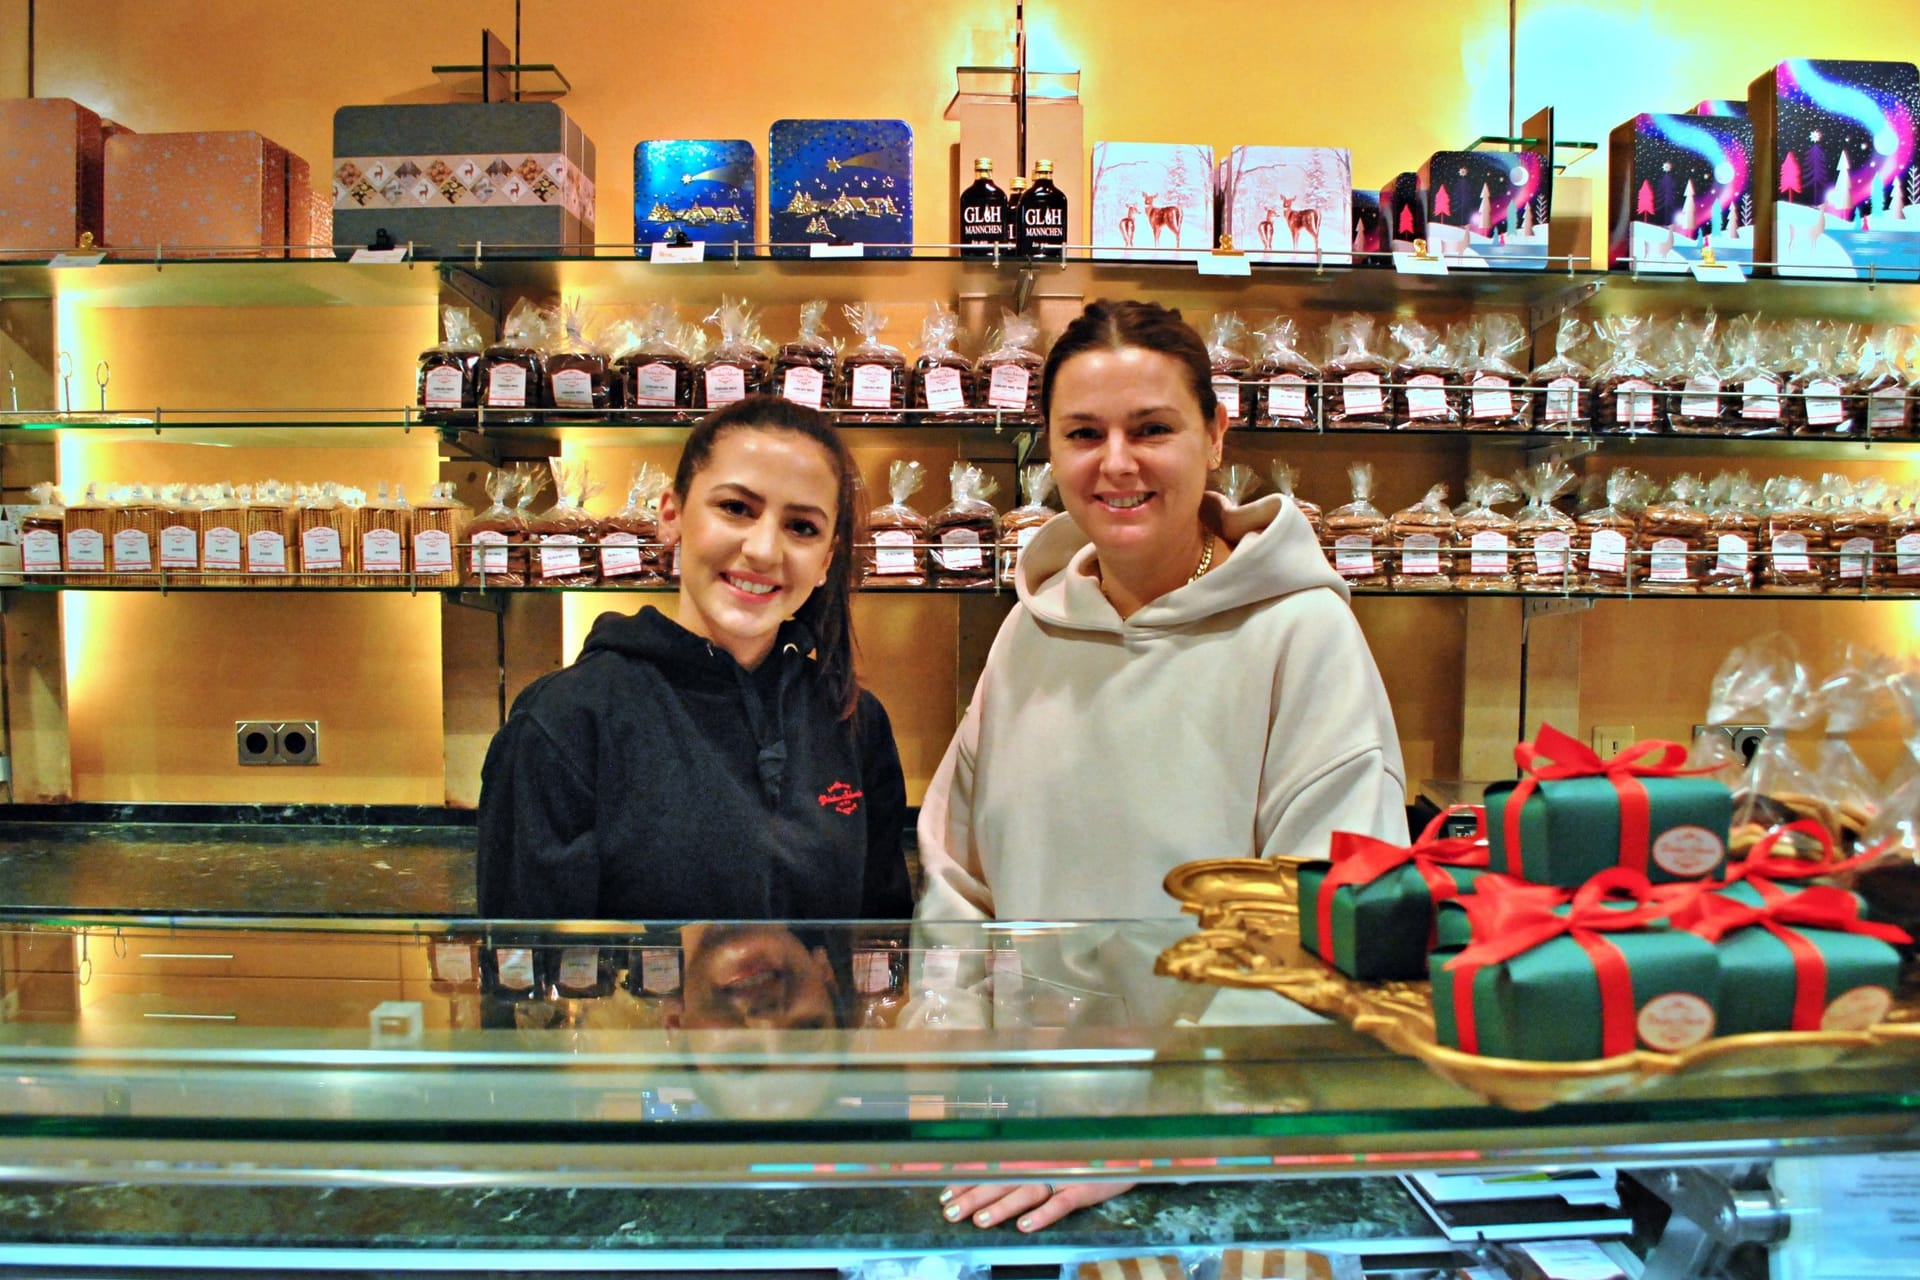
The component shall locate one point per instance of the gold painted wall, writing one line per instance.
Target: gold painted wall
(1391, 83)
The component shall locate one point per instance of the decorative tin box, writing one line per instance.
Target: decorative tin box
(1677, 185)
(1403, 206)
(1486, 209)
(1369, 223)
(198, 193)
(1288, 204)
(50, 160)
(515, 177)
(1718, 107)
(1839, 184)
(702, 188)
(1149, 196)
(844, 181)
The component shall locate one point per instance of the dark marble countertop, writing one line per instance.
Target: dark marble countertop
(839, 1218)
(230, 860)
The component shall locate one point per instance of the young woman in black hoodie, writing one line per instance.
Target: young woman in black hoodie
(726, 765)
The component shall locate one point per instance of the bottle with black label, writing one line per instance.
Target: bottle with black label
(983, 214)
(1043, 216)
(1016, 193)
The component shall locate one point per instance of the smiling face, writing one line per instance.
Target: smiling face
(756, 534)
(1131, 453)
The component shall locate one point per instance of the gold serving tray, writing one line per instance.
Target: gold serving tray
(1249, 936)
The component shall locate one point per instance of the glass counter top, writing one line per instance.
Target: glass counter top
(444, 1052)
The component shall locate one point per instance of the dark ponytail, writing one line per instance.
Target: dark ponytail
(828, 612)
(1114, 326)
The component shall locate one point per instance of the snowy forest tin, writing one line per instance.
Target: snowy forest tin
(1288, 204)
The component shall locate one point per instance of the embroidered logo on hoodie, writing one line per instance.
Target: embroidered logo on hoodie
(841, 798)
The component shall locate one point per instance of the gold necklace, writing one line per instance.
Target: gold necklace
(1206, 560)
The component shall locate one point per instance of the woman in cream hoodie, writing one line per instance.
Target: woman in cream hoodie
(1183, 679)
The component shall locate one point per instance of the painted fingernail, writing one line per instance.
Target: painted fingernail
(983, 1218)
(953, 1213)
(946, 1195)
(1026, 1224)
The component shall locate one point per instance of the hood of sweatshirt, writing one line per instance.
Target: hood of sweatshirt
(692, 661)
(1274, 554)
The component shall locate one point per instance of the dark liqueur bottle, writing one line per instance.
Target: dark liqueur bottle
(1043, 216)
(983, 214)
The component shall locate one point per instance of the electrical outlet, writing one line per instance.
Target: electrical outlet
(298, 742)
(254, 741)
(277, 741)
(1742, 739)
(1612, 739)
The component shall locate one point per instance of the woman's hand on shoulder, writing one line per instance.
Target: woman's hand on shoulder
(1033, 1206)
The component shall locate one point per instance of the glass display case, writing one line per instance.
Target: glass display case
(281, 1092)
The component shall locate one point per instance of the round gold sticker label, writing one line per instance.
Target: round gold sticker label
(1675, 1021)
(1687, 851)
(1858, 1009)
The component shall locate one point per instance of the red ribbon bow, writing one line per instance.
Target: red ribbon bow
(1783, 915)
(1761, 863)
(1359, 860)
(1553, 756)
(1506, 923)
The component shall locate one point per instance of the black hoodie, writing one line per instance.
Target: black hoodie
(658, 779)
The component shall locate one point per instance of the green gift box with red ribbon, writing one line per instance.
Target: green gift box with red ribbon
(1796, 958)
(1594, 977)
(1573, 814)
(1369, 912)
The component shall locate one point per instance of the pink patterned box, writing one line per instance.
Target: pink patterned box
(50, 158)
(201, 194)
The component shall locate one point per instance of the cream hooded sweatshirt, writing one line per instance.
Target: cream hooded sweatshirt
(1238, 716)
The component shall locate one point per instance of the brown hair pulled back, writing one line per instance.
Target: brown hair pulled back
(828, 612)
(1114, 326)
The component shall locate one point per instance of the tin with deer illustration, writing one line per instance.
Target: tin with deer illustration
(1288, 204)
(840, 182)
(1151, 201)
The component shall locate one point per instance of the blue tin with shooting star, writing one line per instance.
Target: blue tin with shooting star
(840, 182)
(699, 188)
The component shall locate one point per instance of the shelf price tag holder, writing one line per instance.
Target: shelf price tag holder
(1710, 270)
(397, 253)
(1420, 262)
(855, 250)
(669, 251)
(1224, 261)
(82, 255)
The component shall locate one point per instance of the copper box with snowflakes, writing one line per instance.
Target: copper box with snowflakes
(207, 194)
(50, 155)
(1288, 204)
(516, 178)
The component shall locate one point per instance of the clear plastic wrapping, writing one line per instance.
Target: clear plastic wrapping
(1795, 539)
(1754, 407)
(1733, 534)
(510, 383)
(896, 551)
(736, 367)
(385, 524)
(1355, 538)
(1018, 526)
(1496, 396)
(1285, 477)
(1421, 538)
(1564, 386)
(563, 538)
(1859, 531)
(1485, 537)
(43, 534)
(444, 383)
(1877, 390)
(1607, 532)
(965, 532)
(1542, 533)
(1357, 376)
(1694, 381)
(1233, 384)
(1671, 539)
(1425, 380)
(873, 374)
(1626, 394)
(1816, 401)
(498, 554)
(656, 374)
(631, 554)
(439, 527)
(804, 369)
(1007, 377)
(578, 378)
(1288, 382)
(942, 377)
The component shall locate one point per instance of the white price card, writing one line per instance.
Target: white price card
(1416, 264)
(76, 259)
(1572, 1260)
(695, 252)
(1857, 1215)
(1224, 264)
(837, 251)
(1719, 273)
(398, 253)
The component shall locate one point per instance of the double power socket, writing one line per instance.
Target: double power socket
(1742, 739)
(277, 741)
